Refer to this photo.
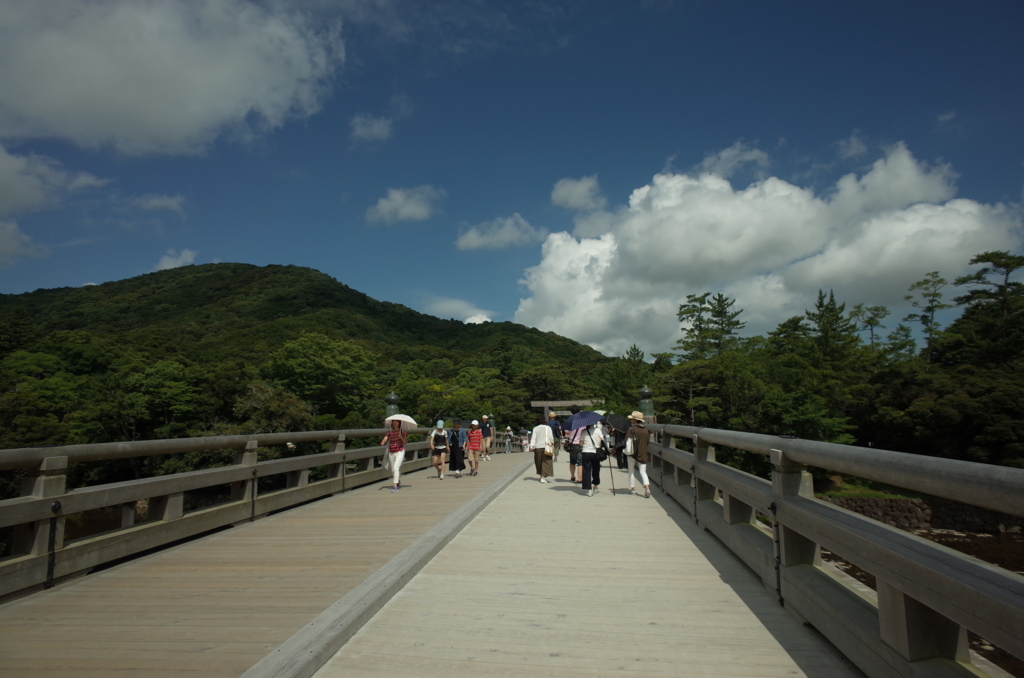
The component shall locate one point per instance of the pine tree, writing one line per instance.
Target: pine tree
(930, 302)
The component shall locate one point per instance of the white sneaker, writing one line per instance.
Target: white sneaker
(590, 493)
(543, 480)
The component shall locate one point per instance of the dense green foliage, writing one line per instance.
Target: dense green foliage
(818, 377)
(235, 348)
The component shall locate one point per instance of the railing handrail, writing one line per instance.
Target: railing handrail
(30, 457)
(999, 488)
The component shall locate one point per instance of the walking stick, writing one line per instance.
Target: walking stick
(610, 474)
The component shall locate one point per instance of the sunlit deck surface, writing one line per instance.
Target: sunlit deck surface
(544, 581)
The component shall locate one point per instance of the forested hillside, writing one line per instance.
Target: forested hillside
(235, 348)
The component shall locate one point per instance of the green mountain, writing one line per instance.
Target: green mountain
(221, 311)
(235, 348)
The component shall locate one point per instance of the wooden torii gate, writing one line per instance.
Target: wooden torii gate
(548, 404)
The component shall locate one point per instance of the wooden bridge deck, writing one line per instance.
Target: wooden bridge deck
(547, 582)
(544, 581)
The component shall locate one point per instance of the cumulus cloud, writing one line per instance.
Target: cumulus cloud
(15, 244)
(154, 202)
(405, 204)
(446, 307)
(728, 161)
(369, 128)
(174, 259)
(33, 182)
(578, 194)
(513, 231)
(159, 77)
(770, 245)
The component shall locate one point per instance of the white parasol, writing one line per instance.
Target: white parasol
(408, 423)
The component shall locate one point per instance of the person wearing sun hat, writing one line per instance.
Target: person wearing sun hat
(474, 444)
(508, 435)
(637, 438)
(439, 448)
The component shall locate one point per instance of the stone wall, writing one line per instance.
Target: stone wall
(935, 513)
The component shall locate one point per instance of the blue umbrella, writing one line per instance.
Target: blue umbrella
(582, 420)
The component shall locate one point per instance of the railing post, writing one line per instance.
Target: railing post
(46, 481)
(915, 630)
(790, 479)
(337, 471)
(245, 490)
(703, 491)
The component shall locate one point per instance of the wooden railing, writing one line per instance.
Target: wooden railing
(42, 556)
(928, 595)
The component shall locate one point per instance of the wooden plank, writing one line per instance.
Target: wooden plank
(250, 587)
(548, 582)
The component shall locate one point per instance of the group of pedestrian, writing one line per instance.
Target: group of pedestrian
(586, 447)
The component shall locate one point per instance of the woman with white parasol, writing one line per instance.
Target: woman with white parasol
(395, 440)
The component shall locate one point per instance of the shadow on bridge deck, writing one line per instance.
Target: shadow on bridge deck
(547, 582)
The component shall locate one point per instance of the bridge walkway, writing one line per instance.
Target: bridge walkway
(548, 582)
(213, 607)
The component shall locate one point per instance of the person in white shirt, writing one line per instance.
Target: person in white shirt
(542, 442)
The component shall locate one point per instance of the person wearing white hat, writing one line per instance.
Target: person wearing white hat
(488, 432)
(637, 438)
(508, 435)
(474, 443)
(439, 448)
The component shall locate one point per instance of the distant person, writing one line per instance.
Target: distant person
(573, 448)
(395, 440)
(543, 445)
(474, 443)
(509, 435)
(637, 438)
(457, 448)
(439, 448)
(556, 432)
(488, 438)
(591, 441)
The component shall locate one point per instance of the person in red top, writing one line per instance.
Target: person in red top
(395, 439)
(474, 444)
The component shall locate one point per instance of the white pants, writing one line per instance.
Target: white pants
(631, 462)
(396, 464)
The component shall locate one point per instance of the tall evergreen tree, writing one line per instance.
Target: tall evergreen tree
(833, 333)
(929, 290)
(869, 318)
(695, 315)
(723, 324)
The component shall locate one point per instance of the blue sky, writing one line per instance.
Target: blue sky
(576, 166)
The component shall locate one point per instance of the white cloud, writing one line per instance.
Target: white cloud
(513, 231)
(15, 244)
(946, 117)
(405, 204)
(852, 146)
(728, 161)
(370, 128)
(174, 259)
(578, 194)
(33, 182)
(770, 245)
(446, 307)
(159, 77)
(154, 202)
